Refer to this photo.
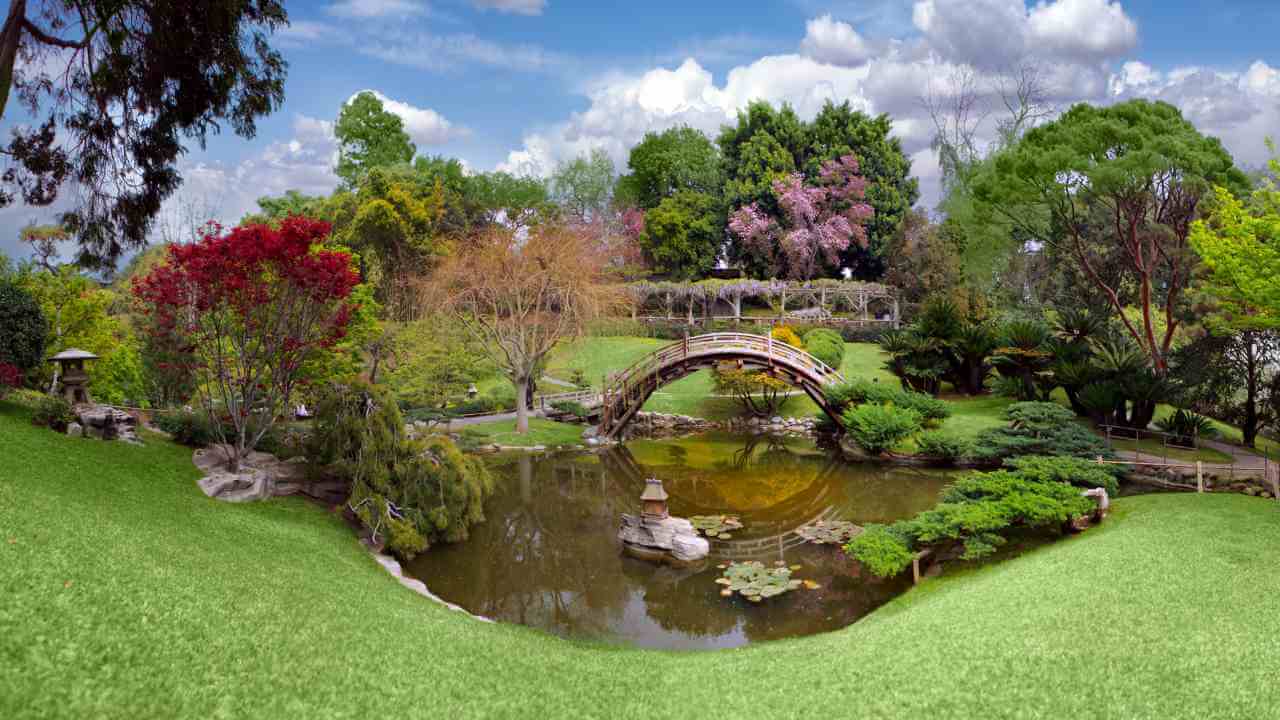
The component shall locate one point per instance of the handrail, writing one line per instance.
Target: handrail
(622, 391)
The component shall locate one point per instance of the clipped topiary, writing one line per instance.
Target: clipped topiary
(826, 345)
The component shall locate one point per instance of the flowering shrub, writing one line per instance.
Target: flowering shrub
(10, 377)
(246, 310)
(818, 221)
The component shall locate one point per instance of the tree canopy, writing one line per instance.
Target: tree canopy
(369, 136)
(1116, 187)
(114, 87)
(665, 163)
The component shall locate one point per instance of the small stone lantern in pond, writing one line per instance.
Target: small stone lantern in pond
(653, 500)
(72, 375)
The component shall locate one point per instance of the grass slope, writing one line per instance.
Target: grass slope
(128, 594)
(548, 433)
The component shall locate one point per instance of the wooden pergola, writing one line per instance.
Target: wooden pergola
(721, 300)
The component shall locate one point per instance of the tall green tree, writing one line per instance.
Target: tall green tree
(765, 144)
(839, 130)
(683, 235)
(584, 186)
(1117, 186)
(665, 163)
(114, 89)
(369, 136)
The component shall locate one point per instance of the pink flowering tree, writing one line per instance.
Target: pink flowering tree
(245, 311)
(815, 224)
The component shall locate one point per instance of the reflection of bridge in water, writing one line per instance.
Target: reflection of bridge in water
(619, 468)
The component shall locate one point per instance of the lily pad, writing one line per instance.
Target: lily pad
(755, 581)
(829, 532)
(715, 526)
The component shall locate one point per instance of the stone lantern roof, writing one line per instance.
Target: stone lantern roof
(73, 354)
(653, 490)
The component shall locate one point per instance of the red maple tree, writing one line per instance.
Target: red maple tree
(248, 308)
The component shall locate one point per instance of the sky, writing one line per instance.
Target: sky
(521, 85)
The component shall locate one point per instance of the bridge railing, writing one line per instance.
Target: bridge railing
(624, 389)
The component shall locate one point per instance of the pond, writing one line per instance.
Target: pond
(547, 555)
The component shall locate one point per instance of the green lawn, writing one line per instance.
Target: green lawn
(128, 594)
(541, 432)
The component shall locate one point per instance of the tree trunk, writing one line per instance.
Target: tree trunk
(1249, 429)
(522, 405)
(10, 38)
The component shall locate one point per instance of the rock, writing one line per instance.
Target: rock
(593, 441)
(672, 539)
(75, 430)
(775, 420)
(106, 422)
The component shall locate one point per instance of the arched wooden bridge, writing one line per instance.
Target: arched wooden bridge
(626, 392)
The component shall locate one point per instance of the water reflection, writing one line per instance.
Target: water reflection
(547, 555)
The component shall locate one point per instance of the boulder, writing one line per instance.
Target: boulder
(106, 422)
(671, 539)
(75, 430)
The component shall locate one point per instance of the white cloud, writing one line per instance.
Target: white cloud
(376, 8)
(835, 42)
(994, 33)
(515, 7)
(424, 125)
(1092, 29)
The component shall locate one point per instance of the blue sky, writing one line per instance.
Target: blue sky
(524, 84)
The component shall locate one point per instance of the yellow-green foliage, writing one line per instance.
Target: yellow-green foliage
(785, 334)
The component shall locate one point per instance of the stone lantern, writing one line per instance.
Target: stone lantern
(72, 375)
(653, 501)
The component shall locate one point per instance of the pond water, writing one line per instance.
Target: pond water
(547, 555)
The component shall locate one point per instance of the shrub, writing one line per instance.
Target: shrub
(856, 392)
(1074, 471)
(760, 393)
(864, 333)
(186, 427)
(826, 345)
(975, 512)
(410, 493)
(52, 412)
(943, 446)
(932, 410)
(1038, 417)
(881, 550)
(570, 407)
(23, 328)
(782, 333)
(877, 428)
(1186, 426)
(1068, 440)
(10, 377)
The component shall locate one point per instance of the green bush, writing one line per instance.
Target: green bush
(943, 446)
(878, 428)
(186, 427)
(1073, 470)
(52, 412)
(976, 512)
(23, 328)
(1186, 426)
(881, 550)
(1071, 440)
(570, 407)
(409, 493)
(826, 345)
(932, 411)
(1038, 417)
